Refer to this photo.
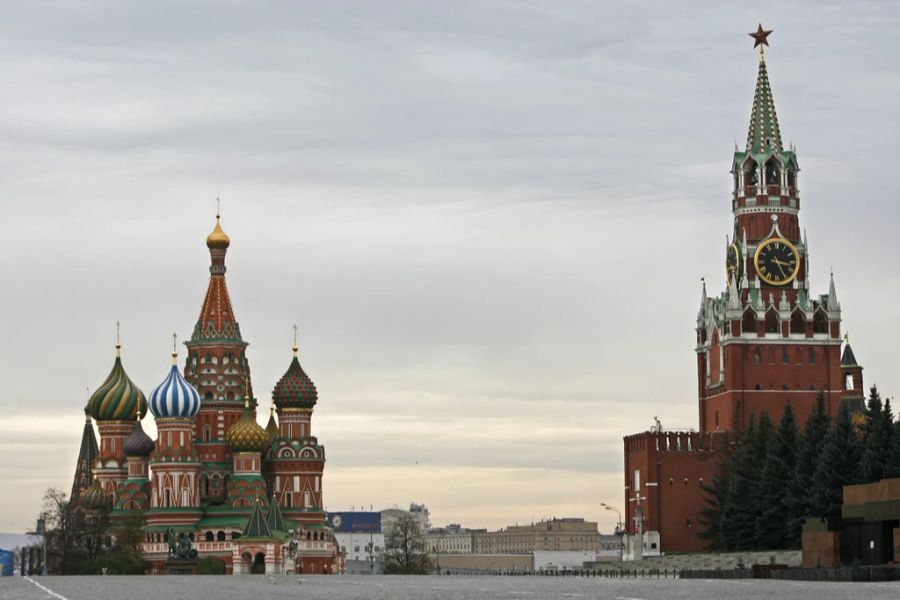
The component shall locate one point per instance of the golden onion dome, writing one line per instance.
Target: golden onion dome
(218, 239)
(246, 435)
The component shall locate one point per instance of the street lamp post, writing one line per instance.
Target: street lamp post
(619, 531)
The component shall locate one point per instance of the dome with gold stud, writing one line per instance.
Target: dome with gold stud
(117, 398)
(218, 239)
(295, 389)
(246, 435)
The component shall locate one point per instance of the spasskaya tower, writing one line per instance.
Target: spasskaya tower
(765, 342)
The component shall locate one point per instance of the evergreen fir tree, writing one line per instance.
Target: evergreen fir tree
(837, 467)
(744, 491)
(777, 473)
(735, 521)
(876, 439)
(798, 500)
(716, 497)
(893, 464)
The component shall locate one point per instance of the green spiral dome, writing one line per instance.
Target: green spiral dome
(117, 398)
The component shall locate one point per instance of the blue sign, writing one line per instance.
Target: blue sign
(355, 522)
(7, 562)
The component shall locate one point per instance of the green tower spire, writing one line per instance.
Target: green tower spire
(764, 136)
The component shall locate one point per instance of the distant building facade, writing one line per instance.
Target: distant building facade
(452, 539)
(360, 539)
(568, 534)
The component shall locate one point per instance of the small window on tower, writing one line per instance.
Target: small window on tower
(757, 357)
(812, 356)
(785, 357)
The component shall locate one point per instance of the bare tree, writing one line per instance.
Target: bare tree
(405, 548)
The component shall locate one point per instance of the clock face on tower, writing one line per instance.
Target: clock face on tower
(733, 263)
(777, 261)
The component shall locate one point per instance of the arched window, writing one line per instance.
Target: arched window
(848, 381)
(772, 321)
(750, 173)
(772, 171)
(220, 536)
(757, 357)
(208, 396)
(209, 536)
(785, 357)
(811, 359)
(820, 322)
(207, 432)
(798, 323)
(748, 323)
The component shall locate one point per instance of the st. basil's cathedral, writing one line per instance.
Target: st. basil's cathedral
(247, 495)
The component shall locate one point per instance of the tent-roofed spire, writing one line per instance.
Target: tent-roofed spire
(257, 526)
(274, 517)
(87, 454)
(764, 135)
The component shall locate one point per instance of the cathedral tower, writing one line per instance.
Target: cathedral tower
(175, 464)
(296, 459)
(217, 367)
(114, 406)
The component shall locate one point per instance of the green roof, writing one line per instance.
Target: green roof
(257, 526)
(211, 522)
(274, 517)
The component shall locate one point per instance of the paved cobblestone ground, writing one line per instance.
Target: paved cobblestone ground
(424, 588)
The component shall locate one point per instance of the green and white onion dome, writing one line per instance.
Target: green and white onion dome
(117, 398)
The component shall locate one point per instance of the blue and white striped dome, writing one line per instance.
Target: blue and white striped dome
(174, 397)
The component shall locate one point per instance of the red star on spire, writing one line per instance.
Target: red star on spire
(760, 36)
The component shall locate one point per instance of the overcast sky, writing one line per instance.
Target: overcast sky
(488, 219)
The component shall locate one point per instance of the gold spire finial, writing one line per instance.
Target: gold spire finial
(118, 340)
(137, 414)
(174, 348)
(218, 238)
(295, 347)
(847, 336)
(218, 207)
